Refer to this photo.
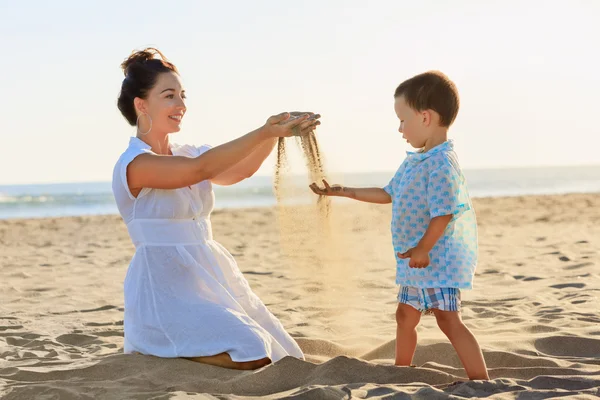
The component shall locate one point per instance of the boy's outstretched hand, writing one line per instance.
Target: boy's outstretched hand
(419, 258)
(335, 190)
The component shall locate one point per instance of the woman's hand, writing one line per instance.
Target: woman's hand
(291, 124)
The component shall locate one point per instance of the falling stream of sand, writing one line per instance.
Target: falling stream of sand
(301, 213)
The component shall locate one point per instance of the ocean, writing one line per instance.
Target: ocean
(95, 198)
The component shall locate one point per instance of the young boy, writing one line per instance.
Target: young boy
(434, 230)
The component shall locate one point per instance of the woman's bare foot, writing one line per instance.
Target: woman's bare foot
(223, 360)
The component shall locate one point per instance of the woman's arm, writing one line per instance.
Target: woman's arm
(246, 167)
(173, 172)
(249, 165)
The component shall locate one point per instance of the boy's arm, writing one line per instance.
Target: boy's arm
(368, 195)
(434, 232)
(444, 184)
(419, 255)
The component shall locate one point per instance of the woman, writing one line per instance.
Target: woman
(184, 294)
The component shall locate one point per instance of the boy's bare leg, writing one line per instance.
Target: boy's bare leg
(464, 343)
(407, 319)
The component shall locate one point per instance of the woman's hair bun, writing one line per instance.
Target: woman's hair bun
(140, 57)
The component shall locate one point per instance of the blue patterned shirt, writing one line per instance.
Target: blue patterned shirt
(428, 185)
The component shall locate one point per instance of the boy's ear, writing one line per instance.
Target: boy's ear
(430, 117)
(426, 116)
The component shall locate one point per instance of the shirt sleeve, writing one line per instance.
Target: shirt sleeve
(203, 149)
(389, 189)
(124, 162)
(446, 192)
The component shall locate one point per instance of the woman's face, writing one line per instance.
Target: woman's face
(165, 104)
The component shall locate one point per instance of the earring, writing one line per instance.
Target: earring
(137, 124)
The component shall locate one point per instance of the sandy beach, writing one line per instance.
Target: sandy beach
(534, 308)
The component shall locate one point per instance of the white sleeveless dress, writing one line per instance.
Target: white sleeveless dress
(184, 293)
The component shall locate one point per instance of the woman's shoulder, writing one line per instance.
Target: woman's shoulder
(135, 146)
(134, 149)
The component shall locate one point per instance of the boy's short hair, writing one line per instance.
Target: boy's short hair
(431, 90)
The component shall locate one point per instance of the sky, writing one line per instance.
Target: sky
(526, 71)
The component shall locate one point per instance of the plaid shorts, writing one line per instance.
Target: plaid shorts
(425, 300)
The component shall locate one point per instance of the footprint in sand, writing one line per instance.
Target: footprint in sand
(568, 285)
(566, 346)
(577, 266)
(75, 339)
(527, 278)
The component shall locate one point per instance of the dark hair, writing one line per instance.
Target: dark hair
(141, 71)
(431, 90)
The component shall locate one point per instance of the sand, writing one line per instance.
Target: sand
(534, 309)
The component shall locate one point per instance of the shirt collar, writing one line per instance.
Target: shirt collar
(139, 143)
(136, 141)
(418, 156)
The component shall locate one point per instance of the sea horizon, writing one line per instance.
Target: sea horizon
(95, 198)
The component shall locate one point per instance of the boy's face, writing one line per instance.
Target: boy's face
(412, 123)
